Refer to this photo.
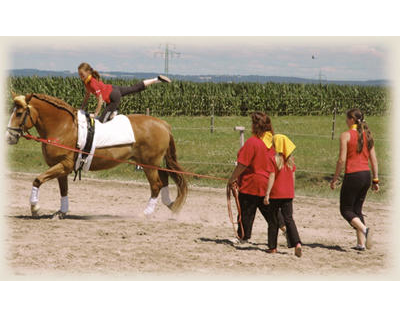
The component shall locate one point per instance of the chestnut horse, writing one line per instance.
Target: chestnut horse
(55, 119)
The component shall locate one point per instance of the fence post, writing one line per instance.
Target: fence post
(334, 122)
(241, 131)
(212, 118)
(147, 111)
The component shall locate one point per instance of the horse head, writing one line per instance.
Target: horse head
(22, 118)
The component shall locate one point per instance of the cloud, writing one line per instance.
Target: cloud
(367, 50)
(101, 67)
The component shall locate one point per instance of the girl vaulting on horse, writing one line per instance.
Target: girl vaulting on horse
(109, 93)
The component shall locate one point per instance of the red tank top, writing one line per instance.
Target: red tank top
(97, 87)
(356, 162)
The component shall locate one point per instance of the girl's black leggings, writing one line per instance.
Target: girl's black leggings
(249, 204)
(115, 98)
(352, 194)
(286, 207)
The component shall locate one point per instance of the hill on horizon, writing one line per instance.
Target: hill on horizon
(197, 78)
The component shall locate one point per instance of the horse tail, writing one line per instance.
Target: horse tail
(179, 179)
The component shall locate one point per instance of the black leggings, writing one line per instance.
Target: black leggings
(115, 98)
(286, 207)
(249, 204)
(352, 194)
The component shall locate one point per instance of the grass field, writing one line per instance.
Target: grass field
(214, 153)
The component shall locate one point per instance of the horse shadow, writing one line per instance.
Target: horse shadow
(72, 217)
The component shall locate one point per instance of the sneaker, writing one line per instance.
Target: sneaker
(164, 79)
(297, 250)
(359, 248)
(237, 241)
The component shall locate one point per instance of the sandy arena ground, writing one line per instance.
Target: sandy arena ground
(107, 234)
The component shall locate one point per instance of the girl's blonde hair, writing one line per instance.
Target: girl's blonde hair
(88, 68)
(280, 161)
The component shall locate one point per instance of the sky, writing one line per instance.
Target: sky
(334, 58)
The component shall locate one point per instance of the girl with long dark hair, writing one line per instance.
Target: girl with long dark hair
(356, 150)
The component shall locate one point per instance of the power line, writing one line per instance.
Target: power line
(167, 53)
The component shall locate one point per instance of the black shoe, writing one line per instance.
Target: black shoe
(164, 79)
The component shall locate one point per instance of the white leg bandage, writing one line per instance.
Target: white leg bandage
(64, 204)
(151, 205)
(34, 196)
(165, 196)
(148, 82)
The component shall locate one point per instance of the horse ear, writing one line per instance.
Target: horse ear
(13, 94)
(28, 97)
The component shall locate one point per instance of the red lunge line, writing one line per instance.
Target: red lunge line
(56, 144)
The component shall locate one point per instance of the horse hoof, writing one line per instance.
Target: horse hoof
(170, 205)
(35, 211)
(148, 211)
(58, 215)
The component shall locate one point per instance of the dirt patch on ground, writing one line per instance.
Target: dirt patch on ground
(107, 234)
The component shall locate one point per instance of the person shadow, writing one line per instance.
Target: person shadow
(250, 246)
(329, 247)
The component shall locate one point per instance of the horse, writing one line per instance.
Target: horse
(56, 119)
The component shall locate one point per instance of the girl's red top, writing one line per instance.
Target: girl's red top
(356, 162)
(284, 183)
(99, 88)
(254, 155)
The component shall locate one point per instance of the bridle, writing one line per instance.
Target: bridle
(21, 127)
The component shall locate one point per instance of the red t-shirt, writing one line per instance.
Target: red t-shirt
(254, 154)
(356, 162)
(284, 184)
(98, 87)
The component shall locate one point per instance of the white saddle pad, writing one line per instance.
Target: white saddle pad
(118, 131)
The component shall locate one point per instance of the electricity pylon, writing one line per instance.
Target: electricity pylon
(168, 54)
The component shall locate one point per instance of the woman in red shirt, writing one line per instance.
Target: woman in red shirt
(280, 194)
(356, 149)
(252, 173)
(109, 93)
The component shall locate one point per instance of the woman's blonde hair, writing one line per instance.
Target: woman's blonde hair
(88, 68)
(280, 161)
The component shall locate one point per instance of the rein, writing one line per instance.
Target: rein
(234, 191)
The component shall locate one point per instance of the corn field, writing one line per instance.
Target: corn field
(222, 99)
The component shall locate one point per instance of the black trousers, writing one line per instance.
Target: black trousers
(115, 98)
(352, 194)
(286, 207)
(249, 204)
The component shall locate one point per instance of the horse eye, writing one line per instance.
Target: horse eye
(18, 114)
